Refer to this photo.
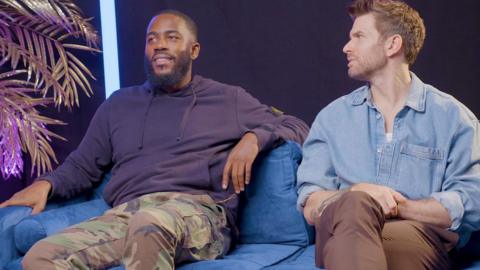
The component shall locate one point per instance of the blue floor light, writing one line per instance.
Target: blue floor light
(109, 42)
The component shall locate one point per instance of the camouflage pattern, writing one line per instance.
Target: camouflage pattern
(155, 231)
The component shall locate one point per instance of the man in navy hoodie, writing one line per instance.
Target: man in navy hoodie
(172, 145)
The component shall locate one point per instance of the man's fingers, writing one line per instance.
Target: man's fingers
(399, 198)
(226, 174)
(15, 201)
(248, 172)
(386, 209)
(38, 208)
(391, 204)
(241, 176)
(235, 183)
(5, 204)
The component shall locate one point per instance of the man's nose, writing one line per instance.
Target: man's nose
(161, 44)
(347, 47)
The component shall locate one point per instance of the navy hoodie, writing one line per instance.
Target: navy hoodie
(154, 141)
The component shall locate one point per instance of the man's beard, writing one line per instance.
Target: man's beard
(180, 69)
(368, 65)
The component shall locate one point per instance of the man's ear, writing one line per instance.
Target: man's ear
(195, 50)
(393, 45)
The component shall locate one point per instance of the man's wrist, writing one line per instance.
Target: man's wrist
(402, 208)
(251, 137)
(44, 184)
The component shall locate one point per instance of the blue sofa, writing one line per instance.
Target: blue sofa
(273, 235)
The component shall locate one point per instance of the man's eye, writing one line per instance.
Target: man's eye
(173, 37)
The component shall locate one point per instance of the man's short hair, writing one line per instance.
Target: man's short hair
(191, 25)
(394, 17)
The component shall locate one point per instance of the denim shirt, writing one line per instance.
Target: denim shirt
(434, 151)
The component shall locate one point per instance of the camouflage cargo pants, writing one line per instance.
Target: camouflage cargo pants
(154, 231)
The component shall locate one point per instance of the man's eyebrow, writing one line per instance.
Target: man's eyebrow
(172, 32)
(356, 33)
(153, 33)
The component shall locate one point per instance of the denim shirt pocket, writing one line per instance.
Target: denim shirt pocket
(419, 169)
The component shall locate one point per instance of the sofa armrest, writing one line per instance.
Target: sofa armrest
(9, 217)
(268, 213)
(31, 229)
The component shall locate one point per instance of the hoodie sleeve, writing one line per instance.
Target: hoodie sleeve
(268, 124)
(87, 163)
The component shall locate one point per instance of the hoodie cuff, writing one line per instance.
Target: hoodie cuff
(265, 138)
(453, 203)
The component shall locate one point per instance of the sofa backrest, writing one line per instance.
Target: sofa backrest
(268, 213)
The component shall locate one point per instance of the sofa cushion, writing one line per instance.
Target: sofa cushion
(268, 213)
(304, 260)
(9, 216)
(17, 265)
(36, 227)
(249, 257)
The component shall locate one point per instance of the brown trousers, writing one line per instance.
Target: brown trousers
(352, 233)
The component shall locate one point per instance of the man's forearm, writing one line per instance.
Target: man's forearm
(428, 210)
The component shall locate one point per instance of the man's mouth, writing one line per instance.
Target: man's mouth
(350, 62)
(162, 59)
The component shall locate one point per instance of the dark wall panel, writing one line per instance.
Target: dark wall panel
(289, 53)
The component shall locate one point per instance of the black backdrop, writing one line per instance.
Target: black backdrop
(287, 53)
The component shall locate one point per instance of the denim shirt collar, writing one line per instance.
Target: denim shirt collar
(415, 99)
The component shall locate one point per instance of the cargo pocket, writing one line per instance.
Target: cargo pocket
(198, 231)
(203, 234)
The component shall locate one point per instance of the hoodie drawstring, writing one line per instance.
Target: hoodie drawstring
(140, 145)
(187, 114)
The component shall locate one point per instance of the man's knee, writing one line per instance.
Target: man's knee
(356, 204)
(354, 198)
(39, 257)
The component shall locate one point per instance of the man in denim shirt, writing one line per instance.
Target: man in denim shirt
(391, 172)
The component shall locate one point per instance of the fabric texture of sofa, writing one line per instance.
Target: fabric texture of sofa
(273, 235)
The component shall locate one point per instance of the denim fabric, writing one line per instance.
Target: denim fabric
(435, 151)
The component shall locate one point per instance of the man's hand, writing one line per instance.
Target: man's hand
(385, 196)
(35, 196)
(314, 201)
(427, 210)
(239, 162)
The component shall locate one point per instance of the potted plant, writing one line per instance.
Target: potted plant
(38, 67)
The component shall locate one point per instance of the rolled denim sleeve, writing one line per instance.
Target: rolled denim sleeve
(452, 201)
(316, 172)
(460, 193)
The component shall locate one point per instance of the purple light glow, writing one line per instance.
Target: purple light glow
(11, 151)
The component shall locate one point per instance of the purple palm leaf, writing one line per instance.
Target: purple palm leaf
(38, 40)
